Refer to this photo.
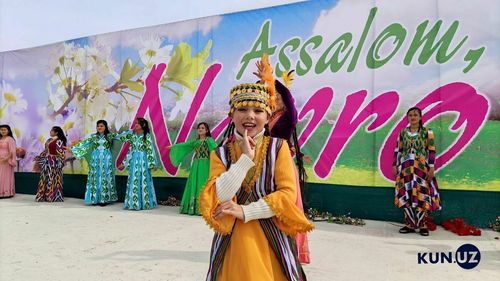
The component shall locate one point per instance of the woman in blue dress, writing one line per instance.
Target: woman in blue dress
(101, 188)
(140, 160)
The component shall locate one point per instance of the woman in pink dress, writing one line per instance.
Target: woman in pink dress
(7, 161)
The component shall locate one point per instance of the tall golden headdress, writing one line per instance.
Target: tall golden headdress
(256, 94)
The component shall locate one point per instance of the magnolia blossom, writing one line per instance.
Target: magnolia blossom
(125, 113)
(152, 53)
(79, 58)
(53, 65)
(58, 97)
(99, 61)
(73, 58)
(72, 64)
(101, 107)
(83, 70)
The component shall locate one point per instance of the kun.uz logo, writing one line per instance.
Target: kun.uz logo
(467, 256)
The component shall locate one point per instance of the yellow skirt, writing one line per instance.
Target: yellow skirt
(249, 257)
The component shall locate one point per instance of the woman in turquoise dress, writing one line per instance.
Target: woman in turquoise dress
(140, 160)
(200, 167)
(101, 187)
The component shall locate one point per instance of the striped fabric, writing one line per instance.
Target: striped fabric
(283, 246)
(413, 156)
(51, 163)
(414, 218)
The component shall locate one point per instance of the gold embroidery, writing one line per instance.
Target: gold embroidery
(260, 155)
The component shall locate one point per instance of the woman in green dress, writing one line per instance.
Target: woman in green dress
(200, 167)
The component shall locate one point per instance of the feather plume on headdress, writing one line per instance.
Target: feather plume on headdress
(288, 78)
(268, 78)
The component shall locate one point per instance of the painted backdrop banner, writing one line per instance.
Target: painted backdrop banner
(359, 66)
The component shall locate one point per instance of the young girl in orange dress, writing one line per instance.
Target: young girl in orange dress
(249, 199)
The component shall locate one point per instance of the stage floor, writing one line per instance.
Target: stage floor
(71, 241)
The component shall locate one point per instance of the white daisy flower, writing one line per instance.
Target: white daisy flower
(12, 99)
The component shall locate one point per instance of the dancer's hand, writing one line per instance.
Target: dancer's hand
(307, 159)
(73, 143)
(229, 208)
(121, 167)
(430, 174)
(168, 147)
(248, 145)
(260, 69)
